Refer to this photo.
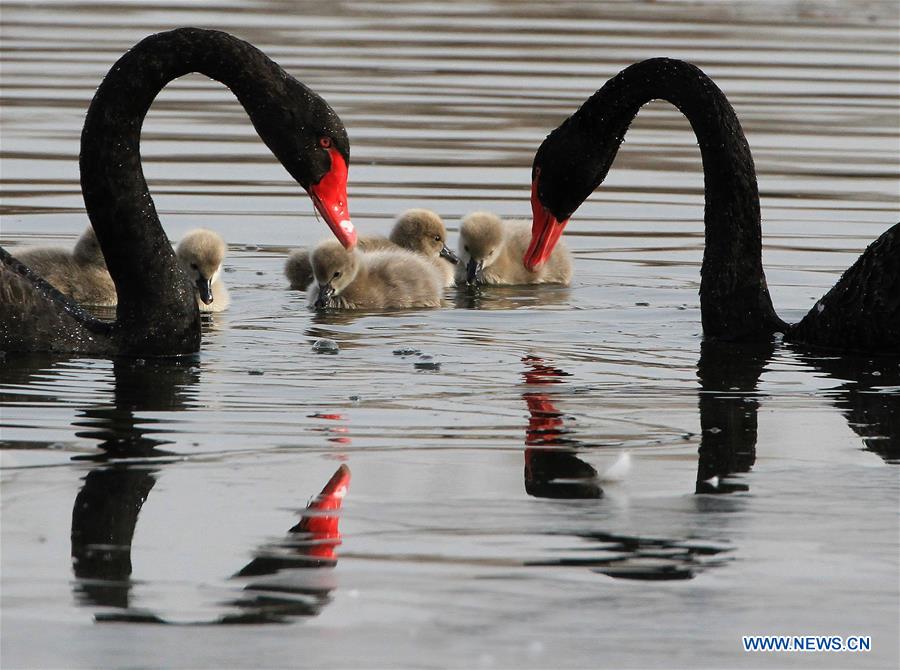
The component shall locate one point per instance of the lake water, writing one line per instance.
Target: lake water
(741, 490)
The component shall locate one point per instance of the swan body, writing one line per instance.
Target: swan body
(382, 279)
(157, 313)
(80, 273)
(418, 230)
(27, 324)
(201, 253)
(491, 251)
(861, 313)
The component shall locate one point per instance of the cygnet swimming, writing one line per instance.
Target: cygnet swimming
(418, 230)
(80, 273)
(201, 253)
(491, 252)
(383, 279)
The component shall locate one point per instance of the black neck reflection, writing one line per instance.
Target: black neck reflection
(140, 385)
(107, 508)
(728, 401)
(729, 374)
(103, 520)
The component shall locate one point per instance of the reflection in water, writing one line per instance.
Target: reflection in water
(107, 507)
(338, 433)
(140, 385)
(509, 297)
(728, 373)
(291, 588)
(552, 469)
(33, 378)
(728, 445)
(868, 397)
(333, 324)
(556, 472)
(333, 317)
(650, 559)
(103, 520)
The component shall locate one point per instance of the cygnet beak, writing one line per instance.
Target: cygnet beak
(449, 255)
(204, 288)
(325, 293)
(474, 272)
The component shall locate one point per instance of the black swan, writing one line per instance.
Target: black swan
(861, 312)
(157, 313)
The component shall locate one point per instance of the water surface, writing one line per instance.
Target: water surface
(738, 490)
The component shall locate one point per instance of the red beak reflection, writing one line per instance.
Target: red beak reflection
(544, 423)
(552, 469)
(322, 517)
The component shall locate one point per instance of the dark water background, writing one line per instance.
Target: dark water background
(468, 539)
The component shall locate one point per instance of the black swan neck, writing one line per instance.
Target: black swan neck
(734, 298)
(151, 287)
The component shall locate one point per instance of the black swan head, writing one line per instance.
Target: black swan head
(563, 175)
(307, 136)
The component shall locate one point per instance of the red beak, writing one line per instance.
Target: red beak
(545, 232)
(330, 198)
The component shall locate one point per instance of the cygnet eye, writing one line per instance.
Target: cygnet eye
(437, 238)
(193, 266)
(466, 247)
(336, 274)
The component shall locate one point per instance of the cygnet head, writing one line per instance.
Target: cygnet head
(201, 253)
(423, 231)
(480, 241)
(87, 248)
(334, 268)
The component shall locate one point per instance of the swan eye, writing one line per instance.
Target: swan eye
(437, 238)
(193, 266)
(336, 274)
(325, 142)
